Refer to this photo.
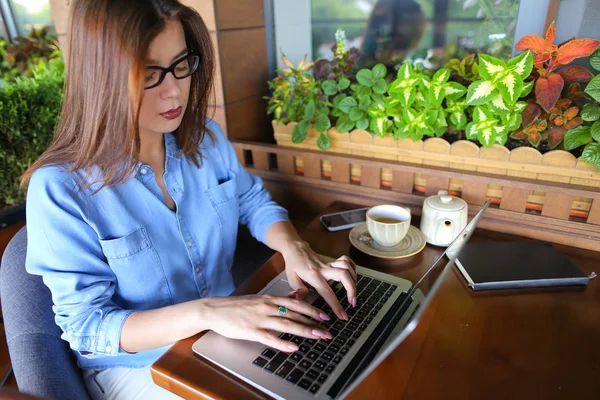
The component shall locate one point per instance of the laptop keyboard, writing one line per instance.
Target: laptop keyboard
(310, 366)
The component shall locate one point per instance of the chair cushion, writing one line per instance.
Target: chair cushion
(42, 362)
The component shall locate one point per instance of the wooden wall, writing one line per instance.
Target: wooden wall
(238, 32)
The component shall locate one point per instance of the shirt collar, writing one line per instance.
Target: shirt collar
(171, 147)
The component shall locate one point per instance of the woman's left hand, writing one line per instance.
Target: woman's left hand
(302, 265)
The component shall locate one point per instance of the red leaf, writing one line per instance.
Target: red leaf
(534, 138)
(556, 134)
(541, 58)
(547, 90)
(550, 34)
(576, 48)
(519, 135)
(575, 73)
(574, 123)
(534, 43)
(574, 87)
(530, 113)
(563, 103)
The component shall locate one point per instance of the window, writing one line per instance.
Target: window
(30, 14)
(392, 31)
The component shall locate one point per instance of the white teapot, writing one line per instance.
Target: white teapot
(443, 218)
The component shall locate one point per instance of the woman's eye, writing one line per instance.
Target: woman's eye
(151, 75)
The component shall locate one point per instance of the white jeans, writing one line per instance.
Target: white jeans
(124, 384)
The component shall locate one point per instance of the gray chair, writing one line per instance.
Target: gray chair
(42, 362)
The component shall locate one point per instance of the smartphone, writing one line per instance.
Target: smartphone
(345, 219)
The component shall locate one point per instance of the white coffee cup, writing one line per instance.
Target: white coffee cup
(388, 224)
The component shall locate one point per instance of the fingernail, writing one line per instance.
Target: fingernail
(354, 302)
(293, 293)
(318, 333)
(292, 347)
(324, 316)
(344, 315)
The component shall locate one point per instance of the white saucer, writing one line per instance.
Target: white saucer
(413, 243)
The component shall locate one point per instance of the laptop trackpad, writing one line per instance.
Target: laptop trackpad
(281, 287)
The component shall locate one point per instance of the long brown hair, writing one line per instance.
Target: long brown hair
(104, 86)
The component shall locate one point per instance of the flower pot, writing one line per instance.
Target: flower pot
(522, 162)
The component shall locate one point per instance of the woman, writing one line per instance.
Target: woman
(134, 229)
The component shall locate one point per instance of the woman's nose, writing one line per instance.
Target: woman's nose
(169, 87)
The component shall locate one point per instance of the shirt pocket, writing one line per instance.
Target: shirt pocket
(224, 201)
(141, 281)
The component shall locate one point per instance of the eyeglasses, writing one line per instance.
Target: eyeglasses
(180, 69)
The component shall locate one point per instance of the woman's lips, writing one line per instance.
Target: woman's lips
(172, 114)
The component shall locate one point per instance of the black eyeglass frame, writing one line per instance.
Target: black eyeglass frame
(171, 68)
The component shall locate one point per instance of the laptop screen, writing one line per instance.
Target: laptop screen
(421, 294)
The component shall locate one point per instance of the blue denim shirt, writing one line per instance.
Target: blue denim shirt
(122, 249)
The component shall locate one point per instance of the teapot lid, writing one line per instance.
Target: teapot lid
(444, 202)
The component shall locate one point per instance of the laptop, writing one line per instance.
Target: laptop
(388, 309)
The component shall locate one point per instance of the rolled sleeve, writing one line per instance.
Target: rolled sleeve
(65, 250)
(257, 210)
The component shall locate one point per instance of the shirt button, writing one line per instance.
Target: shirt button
(180, 216)
(143, 171)
(189, 244)
(197, 268)
(108, 349)
(204, 292)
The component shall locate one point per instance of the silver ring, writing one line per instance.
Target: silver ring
(281, 311)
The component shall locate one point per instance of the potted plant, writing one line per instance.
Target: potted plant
(496, 105)
(30, 103)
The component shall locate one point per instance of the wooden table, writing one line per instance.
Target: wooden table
(509, 344)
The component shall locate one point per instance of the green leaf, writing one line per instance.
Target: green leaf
(405, 71)
(593, 88)
(522, 64)
(380, 86)
(378, 126)
(454, 90)
(309, 112)
(591, 154)
(344, 124)
(480, 92)
(407, 96)
(364, 101)
(458, 119)
(364, 91)
(300, 131)
(365, 77)
(471, 131)
(595, 130)
(590, 112)
(490, 66)
(344, 84)
(577, 137)
(498, 104)
(510, 87)
(329, 87)
(379, 71)
(595, 60)
(356, 114)
(363, 123)
(324, 141)
(441, 76)
(487, 135)
(436, 95)
(482, 114)
(347, 104)
(527, 88)
(338, 99)
(322, 123)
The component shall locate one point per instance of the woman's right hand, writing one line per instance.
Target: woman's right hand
(253, 317)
